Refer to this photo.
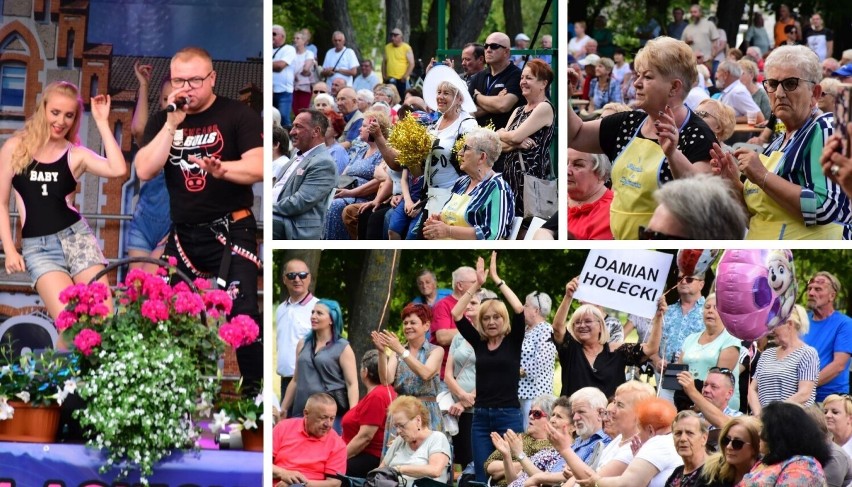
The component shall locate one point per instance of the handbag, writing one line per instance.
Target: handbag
(540, 195)
(340, 396)
(384, 477)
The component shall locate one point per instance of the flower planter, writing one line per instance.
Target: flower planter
(253, 438)
(31, 424)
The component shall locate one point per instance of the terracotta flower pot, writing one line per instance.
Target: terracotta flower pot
(31, 424)
(253, 438)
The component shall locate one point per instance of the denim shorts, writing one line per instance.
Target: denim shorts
(71, 250)
(147, 233)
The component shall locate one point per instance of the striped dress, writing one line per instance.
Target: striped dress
(822, 200)
(777, 380)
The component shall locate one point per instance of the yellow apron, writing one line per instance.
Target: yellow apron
(635, 176)
(769, 221)
(455, 209)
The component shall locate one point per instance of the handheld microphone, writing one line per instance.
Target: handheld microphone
(178, 103)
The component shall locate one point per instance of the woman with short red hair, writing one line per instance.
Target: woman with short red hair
(412, 368)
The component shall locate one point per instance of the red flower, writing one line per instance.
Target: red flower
(155, 310)
(87, 340)
(65, 320)
(218, 303)
(240, 331)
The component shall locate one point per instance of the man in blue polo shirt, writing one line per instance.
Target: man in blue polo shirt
(430, 294)
(830, 335)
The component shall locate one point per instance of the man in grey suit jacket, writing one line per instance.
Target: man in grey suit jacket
(306, 182)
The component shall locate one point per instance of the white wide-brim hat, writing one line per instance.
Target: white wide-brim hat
(438, 75)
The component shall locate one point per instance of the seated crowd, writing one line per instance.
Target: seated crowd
(746, 147)
(343, 179)
(472, 385)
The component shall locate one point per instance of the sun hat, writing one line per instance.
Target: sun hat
(590, 59)
(522, 37)
(438, 75)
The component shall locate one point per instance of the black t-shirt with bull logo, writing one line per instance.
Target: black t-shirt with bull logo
(226, 130)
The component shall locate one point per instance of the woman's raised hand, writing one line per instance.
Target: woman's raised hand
(480, 271)
(100, 108)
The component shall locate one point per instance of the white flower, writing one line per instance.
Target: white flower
(258, 400)
(6, 411)
(220, 420)
(24, 396)
(249, 424)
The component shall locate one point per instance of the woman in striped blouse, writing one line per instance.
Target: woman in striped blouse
(788, 372)
(481, 206)
(786, 192)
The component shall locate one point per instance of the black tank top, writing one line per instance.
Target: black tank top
(43, 188)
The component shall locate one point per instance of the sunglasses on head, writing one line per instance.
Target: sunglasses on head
(736, 444)
(536, 414)
(293, 275)
(493, 46)
(645, 234)
(724, 371)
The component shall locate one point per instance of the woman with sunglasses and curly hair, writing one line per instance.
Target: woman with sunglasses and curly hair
(43, 162)
(739, 444)
(793, 449)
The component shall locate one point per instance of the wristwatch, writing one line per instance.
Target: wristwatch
(521, 456)
(404, 355)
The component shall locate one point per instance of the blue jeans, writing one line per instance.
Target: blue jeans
(485, 421)
(284, 103)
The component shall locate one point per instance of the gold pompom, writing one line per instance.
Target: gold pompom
(412, 141)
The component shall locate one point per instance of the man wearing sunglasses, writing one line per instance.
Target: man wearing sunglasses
(293, 317)
(830, 334)
(211, 151)
(485, 87)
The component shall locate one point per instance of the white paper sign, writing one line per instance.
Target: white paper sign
(625, 280)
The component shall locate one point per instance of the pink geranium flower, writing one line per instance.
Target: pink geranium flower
(218, 303)
(65, 320)
(155, 310)
(240, 331)
(87, 340)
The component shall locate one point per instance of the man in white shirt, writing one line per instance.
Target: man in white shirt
(283, 76)
(293, 317)
(734, 93)
(340, 61)
(368, 79)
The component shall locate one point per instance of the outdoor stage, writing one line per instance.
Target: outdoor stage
(61, 465)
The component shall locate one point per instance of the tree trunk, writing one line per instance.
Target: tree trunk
(337, 14)
(311, 257)
(424, 39)
(514, 19)
(467, 18)
(397, 16)
(371, 305)
(728, 16)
